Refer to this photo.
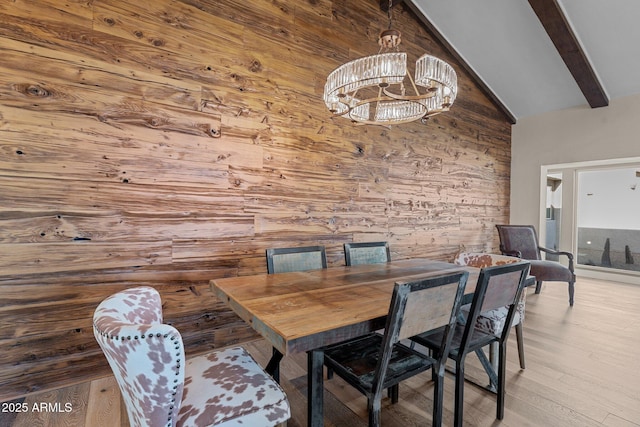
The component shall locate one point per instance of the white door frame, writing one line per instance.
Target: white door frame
(568, 237)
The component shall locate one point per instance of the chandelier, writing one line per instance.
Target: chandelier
(372, 90)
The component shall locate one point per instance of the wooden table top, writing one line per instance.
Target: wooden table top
(300, 311)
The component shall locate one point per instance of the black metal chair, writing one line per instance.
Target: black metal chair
(493, 321)
(284, 260)
(522, 241)
(366, 253)
(497, 287)
(376, 362)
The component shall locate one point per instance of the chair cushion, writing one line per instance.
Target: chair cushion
(229, 384)
(552, 271)
(492, 321)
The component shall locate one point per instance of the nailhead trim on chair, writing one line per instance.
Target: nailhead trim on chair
(150, 336)
(225, 387)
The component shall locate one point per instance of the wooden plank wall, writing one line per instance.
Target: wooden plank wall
(169, 142)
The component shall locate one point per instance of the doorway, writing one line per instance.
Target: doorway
(553, 213)
(592, 208)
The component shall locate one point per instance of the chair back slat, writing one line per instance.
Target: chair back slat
(366, 253)
(420, 306)
(427, 309)
(497, 286)
(501, 290)
(284, 260)
(482, 260)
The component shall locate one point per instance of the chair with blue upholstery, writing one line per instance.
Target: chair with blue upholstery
(225, 388)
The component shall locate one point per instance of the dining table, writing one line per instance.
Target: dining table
(307, 310)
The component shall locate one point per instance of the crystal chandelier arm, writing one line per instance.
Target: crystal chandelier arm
(362, 102)
(409, 97)
(413, 83)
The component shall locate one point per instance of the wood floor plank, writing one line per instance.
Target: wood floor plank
(106, 408)
(61, 408)
(615, 421)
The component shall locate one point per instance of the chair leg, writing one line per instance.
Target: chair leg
(572, 288)
(520, 339)
(493, 355)
(502, 362)
(374, 405)
(538, 286)
(394, 393)
(459, 394)
(438, 395)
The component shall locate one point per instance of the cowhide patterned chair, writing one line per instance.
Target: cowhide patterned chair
(161, 388)
(493, 321)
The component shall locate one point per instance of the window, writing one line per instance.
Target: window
(608, 219)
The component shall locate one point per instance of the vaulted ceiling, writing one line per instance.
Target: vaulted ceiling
(536, 56)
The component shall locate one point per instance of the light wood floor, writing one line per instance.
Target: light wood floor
(582, 370)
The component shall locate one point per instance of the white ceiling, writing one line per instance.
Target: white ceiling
(506, 45)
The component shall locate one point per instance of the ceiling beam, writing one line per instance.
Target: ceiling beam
(476, 78)
(557, 27)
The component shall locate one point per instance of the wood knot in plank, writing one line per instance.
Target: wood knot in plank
(156, 122)
(255, 66)
(32, 90)
(208, 129)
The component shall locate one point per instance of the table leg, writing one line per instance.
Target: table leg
(273, 367)
(315, 388)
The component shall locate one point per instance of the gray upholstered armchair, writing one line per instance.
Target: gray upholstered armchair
(522, 241)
